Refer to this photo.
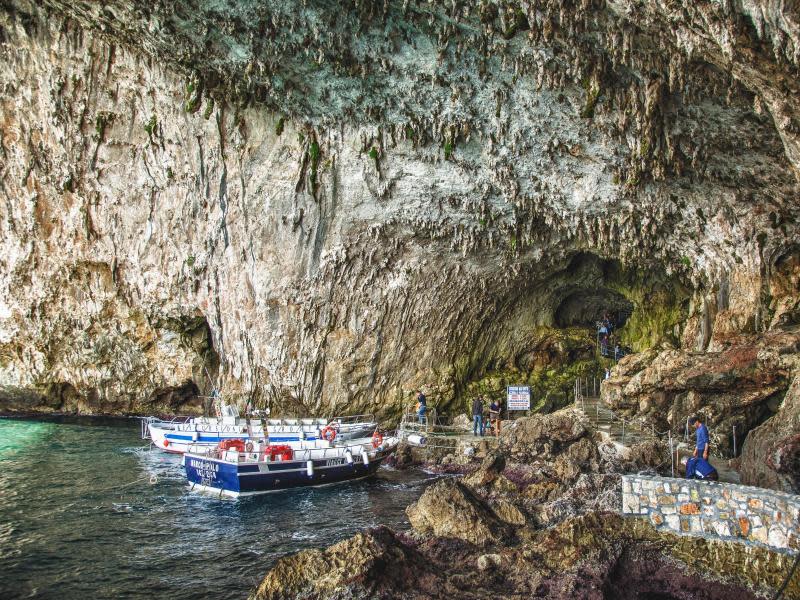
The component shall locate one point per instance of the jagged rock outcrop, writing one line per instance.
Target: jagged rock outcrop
(771, 453)
(742, 386)
(543, 437)
(324, 206)
(374, 564)
(449, 509)
(590, 558)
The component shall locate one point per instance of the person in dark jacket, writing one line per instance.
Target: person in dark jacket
(494, 415)
(477, 415)
(422, 406)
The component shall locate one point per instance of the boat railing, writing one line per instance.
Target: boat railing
(335, 451)
(354, 419)
(432, 425)
(145, 423)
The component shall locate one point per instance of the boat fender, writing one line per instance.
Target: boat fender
(348, 456)
(194, 436)
(166, 443)
(416, 440)
(365, 457)
(310, 468)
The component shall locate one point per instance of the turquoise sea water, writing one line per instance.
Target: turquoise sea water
(86, 511)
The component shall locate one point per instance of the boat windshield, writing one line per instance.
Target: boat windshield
(229, 410)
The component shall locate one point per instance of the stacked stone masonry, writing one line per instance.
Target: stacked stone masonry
(753, 516)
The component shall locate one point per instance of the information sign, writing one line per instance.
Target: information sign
(519, 397)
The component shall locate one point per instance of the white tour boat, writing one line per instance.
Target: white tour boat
(179, 436)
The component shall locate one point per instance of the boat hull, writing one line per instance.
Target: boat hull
(248, 479)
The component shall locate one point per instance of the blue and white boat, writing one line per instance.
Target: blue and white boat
(197, 434)
(238, 469)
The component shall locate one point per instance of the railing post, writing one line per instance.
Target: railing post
(671, 457)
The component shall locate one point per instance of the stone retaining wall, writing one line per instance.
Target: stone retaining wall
(753, 516)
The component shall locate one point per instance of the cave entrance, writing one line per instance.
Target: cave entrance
(584, 307)
(543, 332)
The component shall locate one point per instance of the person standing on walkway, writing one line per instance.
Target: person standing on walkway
(477, 416)
(701, 432)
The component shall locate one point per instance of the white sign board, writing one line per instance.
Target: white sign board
(519, 397)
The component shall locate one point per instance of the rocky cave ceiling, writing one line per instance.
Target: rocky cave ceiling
(358, 198)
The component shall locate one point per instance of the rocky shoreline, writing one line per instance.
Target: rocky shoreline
(539, 518)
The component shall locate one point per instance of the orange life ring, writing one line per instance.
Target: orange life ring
(166, 443)
(328, 433)
(377, 439)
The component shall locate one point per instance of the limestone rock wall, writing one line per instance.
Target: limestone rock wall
(323, 207)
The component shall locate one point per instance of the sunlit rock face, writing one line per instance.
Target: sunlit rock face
(326, 205)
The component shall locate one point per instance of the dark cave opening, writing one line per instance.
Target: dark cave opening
(176, 396)
(584, 307)
(544, 330)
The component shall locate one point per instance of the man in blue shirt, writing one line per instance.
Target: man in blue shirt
(701, 445)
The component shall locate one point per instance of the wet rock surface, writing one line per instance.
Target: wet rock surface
(451, 510)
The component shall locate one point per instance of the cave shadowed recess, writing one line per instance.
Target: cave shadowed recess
(585, 306)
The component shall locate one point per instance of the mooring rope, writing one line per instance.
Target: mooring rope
(151, 479)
